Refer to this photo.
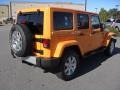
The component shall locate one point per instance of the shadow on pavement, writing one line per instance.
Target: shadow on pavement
(88, 64)
(1, 25)
(92, 62)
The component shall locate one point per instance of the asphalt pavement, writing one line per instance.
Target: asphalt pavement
(97, 72)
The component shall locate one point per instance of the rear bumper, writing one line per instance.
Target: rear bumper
(42, 62)
(45, 63)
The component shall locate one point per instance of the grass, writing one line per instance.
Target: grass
(114, 30)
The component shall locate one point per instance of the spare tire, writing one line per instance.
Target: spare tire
(20, 38)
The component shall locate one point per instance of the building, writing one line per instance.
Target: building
(15, 6)
(11, 9)
(4, 11)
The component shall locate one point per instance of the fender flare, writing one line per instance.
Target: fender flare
(62, 45)
(108, 37)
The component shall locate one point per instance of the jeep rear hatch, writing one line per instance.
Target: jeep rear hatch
(33, 20)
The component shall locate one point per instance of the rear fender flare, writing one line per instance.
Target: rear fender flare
(62, 45)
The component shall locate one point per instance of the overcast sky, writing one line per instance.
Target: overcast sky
(91, 4)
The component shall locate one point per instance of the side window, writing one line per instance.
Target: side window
(62, 21)
(82, 21)
(95, 21)
(118, 21)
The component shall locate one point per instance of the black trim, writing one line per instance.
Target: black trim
(48, 63)
(38, 39)
(94, 51)
(39, 51)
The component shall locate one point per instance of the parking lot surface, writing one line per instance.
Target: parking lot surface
(97, 72)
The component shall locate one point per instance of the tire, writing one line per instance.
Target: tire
(117, 28)
(110, 49)
(20, 39)
(66, 66)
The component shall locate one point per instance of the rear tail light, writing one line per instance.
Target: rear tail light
(46, 43)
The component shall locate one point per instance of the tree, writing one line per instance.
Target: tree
(103, 15)
(114, 13)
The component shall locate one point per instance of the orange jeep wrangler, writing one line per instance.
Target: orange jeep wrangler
(58, 37)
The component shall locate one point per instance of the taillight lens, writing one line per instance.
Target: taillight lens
(46, 43)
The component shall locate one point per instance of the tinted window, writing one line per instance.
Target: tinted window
(95, 21)
(118, 21)
(82, 21)
(108, 20)
(62, 20)
(34, 21)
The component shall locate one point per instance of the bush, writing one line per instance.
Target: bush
(111, 29)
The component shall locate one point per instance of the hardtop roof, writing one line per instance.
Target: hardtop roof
(57, 8)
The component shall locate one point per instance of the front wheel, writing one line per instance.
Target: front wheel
(69, 65)
(110, 49)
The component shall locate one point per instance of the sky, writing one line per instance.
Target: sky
(91, 4)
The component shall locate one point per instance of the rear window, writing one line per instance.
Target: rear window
(34, 21)
(63, 20)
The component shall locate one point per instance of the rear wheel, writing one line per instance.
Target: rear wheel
(69, 65)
